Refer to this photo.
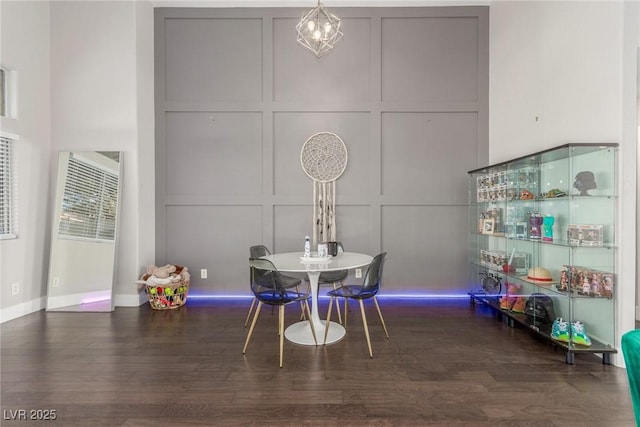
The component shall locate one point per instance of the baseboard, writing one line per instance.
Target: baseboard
(19, 310)
(56, 302)
(130, 300)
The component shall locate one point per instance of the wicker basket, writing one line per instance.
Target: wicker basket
(169, 296)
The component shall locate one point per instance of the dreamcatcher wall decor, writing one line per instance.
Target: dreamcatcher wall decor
(324, 159)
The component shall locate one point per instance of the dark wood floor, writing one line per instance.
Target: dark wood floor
(445, 364)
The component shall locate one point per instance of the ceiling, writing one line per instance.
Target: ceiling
(312, 3)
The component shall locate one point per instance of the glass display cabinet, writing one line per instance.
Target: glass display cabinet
(542, 247)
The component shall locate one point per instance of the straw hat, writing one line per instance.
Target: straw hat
(538, 275)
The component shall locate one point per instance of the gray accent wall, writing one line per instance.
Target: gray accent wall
(236, 98)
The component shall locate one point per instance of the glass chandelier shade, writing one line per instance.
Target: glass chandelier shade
(319, 31)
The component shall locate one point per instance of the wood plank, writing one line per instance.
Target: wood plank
(445, 364)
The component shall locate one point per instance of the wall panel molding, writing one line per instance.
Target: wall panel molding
(407, 91)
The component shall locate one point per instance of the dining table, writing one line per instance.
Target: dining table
(294, 262)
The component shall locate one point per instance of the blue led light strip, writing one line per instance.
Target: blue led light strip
(384, 296)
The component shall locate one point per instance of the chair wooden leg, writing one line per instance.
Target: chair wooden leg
(346, 308)
(253, 303)
(305, 306)
(281, 329)
(366, 328)
(302, 313)
(338, 304)
(328, 321)
(313, 328)
(375, 300)
(253, 324)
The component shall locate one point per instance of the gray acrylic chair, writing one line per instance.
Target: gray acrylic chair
(269, 288)
(259, 251)
(335, 279)
(368, 290)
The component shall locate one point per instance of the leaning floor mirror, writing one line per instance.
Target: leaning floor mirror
(84, 231)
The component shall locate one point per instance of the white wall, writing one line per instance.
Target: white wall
(101, 68)
(85, 82)
(638, 167)
(24, 47)
(145, 177)
(560, 73)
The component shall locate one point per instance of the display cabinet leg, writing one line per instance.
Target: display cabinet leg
(606, 358)
(570, 359)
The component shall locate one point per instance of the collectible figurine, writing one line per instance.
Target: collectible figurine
(595, 284)
(535, 221)
(547, 228)
(563, 286)
(586, 286)
(526, 195)
(584, 182)
(608, 285)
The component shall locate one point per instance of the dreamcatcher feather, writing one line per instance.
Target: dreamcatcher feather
(324, 159)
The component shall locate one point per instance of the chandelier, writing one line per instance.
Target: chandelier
(319, 31)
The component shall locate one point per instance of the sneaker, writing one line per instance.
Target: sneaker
(560, 330)
(506, 302)
(579, 335)
(519, 306)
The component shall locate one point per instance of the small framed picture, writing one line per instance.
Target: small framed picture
(521, 230)
(488, 226)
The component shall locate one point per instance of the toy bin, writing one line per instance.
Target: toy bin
(167, 293)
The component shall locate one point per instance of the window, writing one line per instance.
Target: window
(3, 94)
(8, 95)
(8, 226)
(89, 202)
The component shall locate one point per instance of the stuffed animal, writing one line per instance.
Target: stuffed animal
(163, 272)
(185, 274)
(526, 195)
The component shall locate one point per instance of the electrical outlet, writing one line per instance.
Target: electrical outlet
(203, 273)
(15, 288)
(56, 282)
(358, 273)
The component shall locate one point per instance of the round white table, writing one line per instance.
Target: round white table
(291, 262)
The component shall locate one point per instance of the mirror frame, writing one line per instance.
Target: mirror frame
(72, 261)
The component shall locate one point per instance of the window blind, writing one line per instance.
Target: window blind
(8, 228)
(89, 202)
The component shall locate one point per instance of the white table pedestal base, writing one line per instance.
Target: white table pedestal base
(300, 333)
